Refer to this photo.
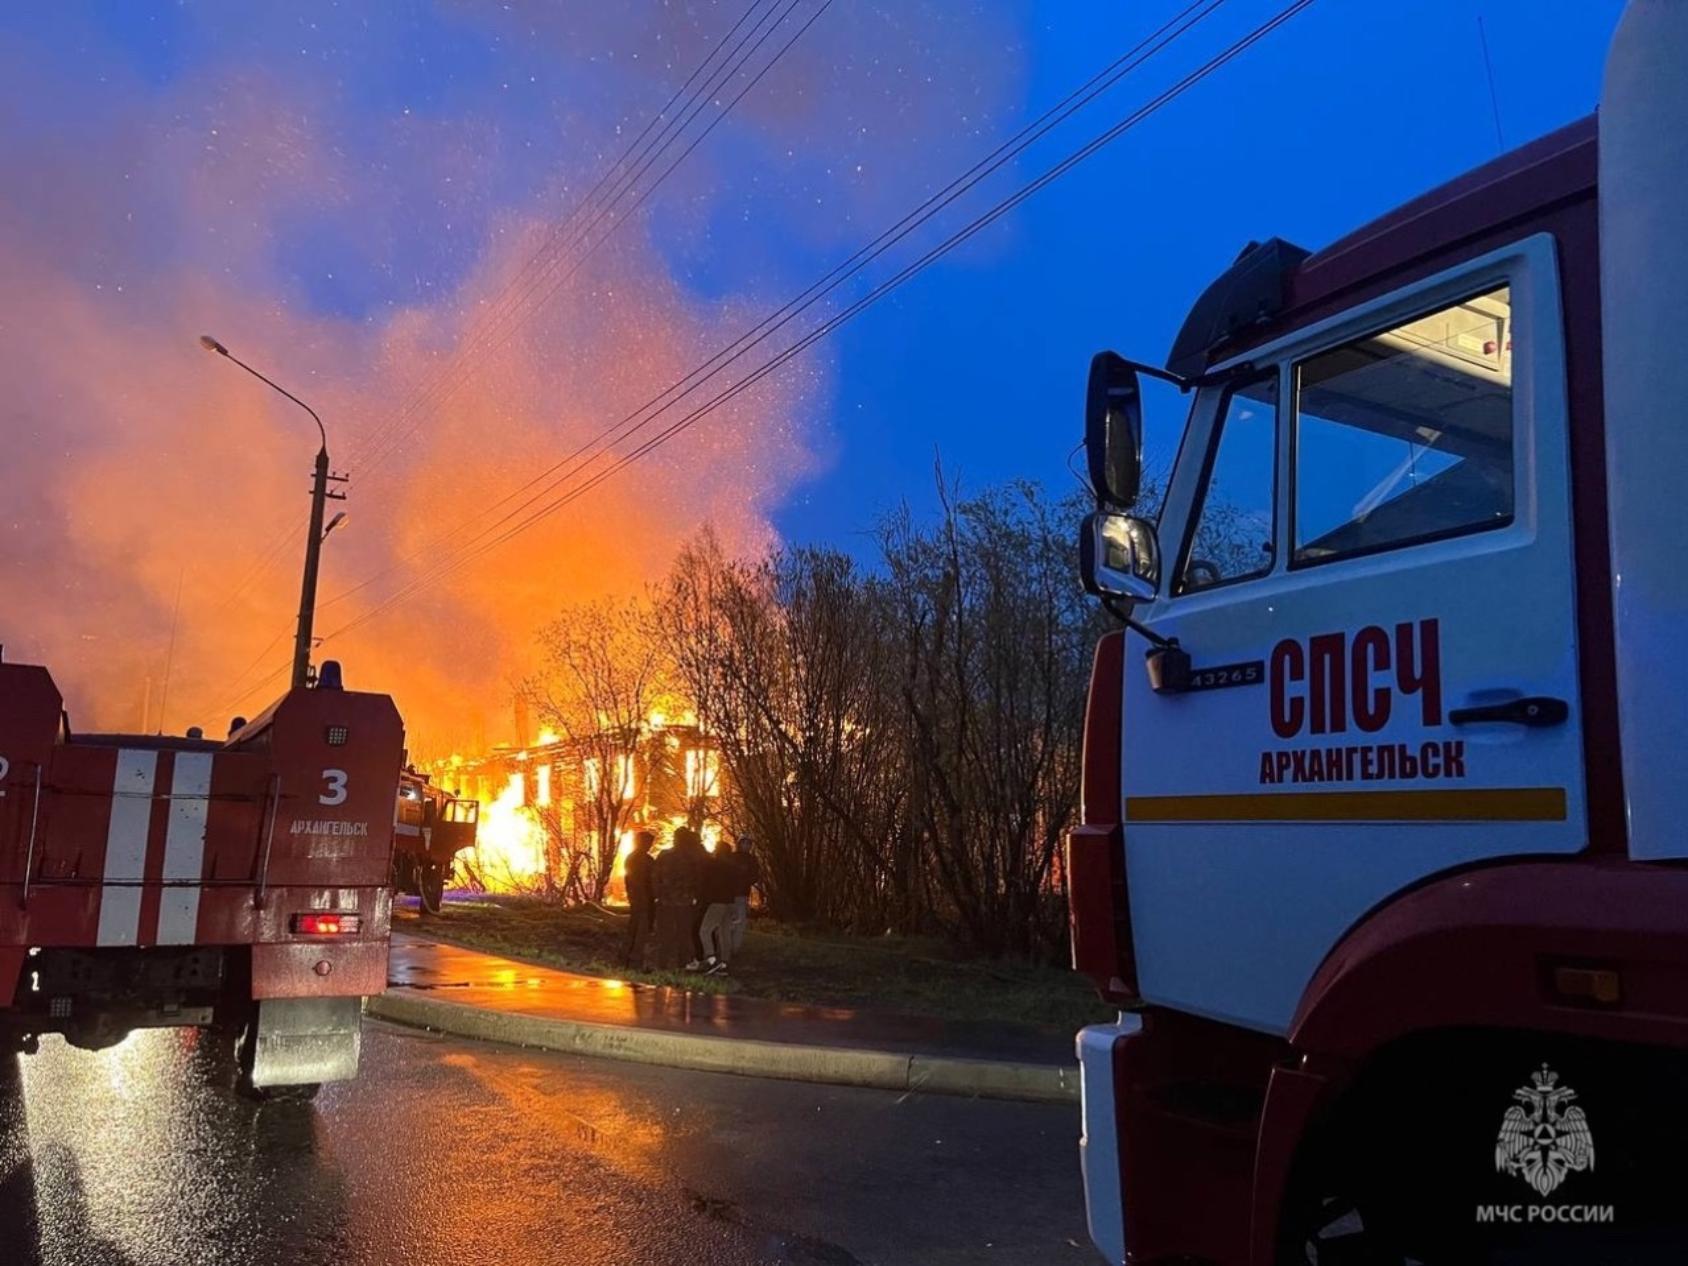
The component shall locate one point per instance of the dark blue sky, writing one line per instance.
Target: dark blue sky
(1349, 110)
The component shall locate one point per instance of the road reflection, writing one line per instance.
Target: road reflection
(142, 1154)
(438, 1155)
(452, 1153)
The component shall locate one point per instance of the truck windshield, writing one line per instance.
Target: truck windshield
(1406, 435)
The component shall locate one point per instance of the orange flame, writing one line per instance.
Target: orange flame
(509, 851)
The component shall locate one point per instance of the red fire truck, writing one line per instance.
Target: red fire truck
(430, 827)
(1382, 845)
(151, 881)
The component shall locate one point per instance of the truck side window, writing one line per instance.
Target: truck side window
(1234, 528)
(1406, 436)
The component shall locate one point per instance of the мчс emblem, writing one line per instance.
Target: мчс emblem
(1543, 1136)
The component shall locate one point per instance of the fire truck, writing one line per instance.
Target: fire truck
(1382, 846)
(239, 885)
(430, 827)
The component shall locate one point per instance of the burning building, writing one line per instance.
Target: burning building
(558, 814)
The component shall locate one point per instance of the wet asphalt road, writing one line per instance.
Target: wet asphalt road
(453, 1153)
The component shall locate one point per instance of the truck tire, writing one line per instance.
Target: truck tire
(430, 886)
(1405, 1168)
(1332, 1231)
(245, 1050)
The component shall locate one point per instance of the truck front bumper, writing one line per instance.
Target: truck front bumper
(1098, 1147)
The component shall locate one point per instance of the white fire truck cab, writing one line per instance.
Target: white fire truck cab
(1382, 845)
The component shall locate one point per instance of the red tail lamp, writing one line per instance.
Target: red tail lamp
(326, 924)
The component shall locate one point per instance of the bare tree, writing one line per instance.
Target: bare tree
(603, 669)
(785, 657)
(994, 639)
(904, 742)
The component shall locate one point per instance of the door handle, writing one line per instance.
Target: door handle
(1534, 711)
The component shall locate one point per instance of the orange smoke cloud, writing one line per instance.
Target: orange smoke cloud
(148, 464)
(137, 468)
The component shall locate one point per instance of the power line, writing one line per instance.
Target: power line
(1005, 152)
(489, 340)
(1489, 70)
(283, 536)
(228, 708)
(468, 552)
(554, 244)
(636, 161)
(260, 565)
(956, 239)
(258, 659)
(503, 300)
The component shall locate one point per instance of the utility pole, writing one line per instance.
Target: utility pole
(321, 495)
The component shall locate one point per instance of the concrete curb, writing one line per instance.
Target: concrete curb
(787, 1061)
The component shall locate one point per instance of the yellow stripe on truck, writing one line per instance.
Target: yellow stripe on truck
(1499, 804)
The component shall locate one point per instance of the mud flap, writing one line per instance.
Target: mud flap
(301, 1041)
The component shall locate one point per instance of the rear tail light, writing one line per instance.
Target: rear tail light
(326, 924)
(1097, 901)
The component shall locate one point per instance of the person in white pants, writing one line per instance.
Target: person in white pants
(747, 872)
(720, 881)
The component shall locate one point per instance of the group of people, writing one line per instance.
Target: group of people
(689, 906)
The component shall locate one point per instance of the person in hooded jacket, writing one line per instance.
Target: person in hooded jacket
(676, 876)
(720, 884)
(746, 874)
(641, 901)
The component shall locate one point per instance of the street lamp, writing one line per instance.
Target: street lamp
(313, 541)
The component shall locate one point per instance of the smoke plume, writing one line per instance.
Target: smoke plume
(284, 194)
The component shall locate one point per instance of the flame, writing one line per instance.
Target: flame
(509, 852)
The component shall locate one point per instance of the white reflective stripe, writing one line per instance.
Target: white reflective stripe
(126, 847)
(184, 849)
(404, 829)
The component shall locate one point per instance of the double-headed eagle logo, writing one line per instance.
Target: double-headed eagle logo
(1543, 1137)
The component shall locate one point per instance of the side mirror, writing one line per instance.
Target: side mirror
(1113, 429)
(1118, 556)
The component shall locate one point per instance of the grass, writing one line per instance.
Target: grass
(911, 975)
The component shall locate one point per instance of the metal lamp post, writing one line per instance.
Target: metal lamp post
(320, 496)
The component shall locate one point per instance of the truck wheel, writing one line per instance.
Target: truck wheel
(430, 886)
(1333, 1233)
(245, 1052)
(280, 1094)
(214, 1053)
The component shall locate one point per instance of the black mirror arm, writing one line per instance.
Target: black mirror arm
(1165, 375)
(1243, 370)
(1168, 663)
(1122, 613)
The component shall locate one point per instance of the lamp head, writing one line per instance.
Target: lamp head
(212, 345)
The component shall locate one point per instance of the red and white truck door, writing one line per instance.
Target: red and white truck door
(1366, 551)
